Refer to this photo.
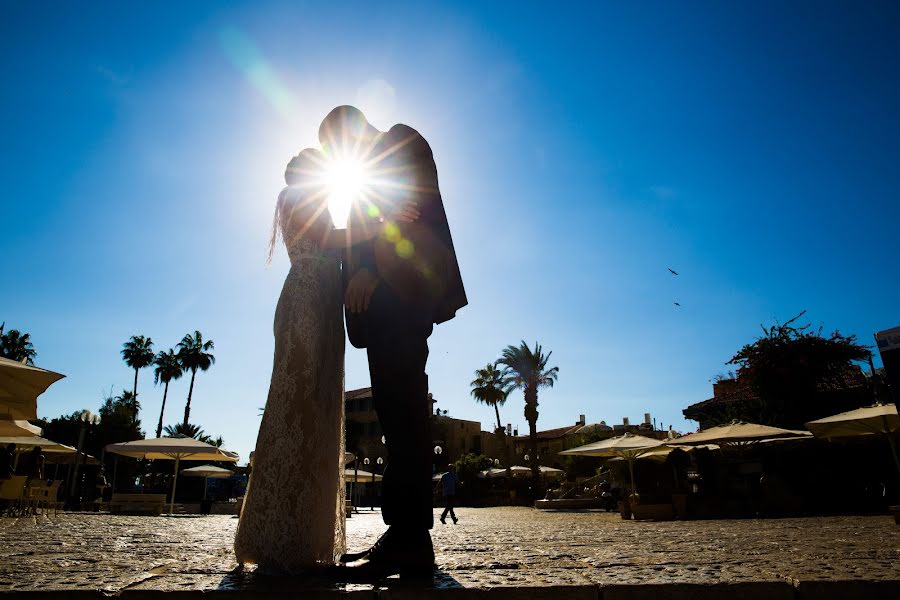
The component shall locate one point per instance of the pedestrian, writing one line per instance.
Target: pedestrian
(449, 483)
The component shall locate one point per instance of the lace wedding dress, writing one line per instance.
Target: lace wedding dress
(293, 513)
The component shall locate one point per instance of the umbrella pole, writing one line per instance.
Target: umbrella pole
(174, 485)
(631, 473)
(205, 486)
(890, 438)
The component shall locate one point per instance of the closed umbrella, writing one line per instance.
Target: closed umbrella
(175, 448)
(20, 385)
(207, 471)
(881, 419)
(628, 446)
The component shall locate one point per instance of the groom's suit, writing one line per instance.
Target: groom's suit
(419, 286)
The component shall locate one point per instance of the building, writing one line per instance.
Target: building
(458, 437)
(361, 428)
(551, 442)
(455, 437)
(732, 400)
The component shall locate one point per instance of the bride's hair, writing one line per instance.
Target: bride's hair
(299, 170)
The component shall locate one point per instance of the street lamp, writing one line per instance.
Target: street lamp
(379, 461)
(437, 455)
(366, 462)
(87, 418)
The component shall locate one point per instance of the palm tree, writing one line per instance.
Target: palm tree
(130, 402)
(193, 353)
(184, 430)
(193, 431)
(16, 345)
(137, 354)
(168, 368)
(491, 386)
(529, 373)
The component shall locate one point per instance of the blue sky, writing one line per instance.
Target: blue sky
(581, 152)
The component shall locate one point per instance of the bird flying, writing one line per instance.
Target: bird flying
(671, 271)
(676, 304)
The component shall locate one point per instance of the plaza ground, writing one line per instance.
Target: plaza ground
(509, 552)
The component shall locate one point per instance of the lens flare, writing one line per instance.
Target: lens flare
(346, 179)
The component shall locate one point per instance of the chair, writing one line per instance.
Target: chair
(12, 492)
(50, 499)
(35, 495)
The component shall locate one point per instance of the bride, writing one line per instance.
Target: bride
(293, 513)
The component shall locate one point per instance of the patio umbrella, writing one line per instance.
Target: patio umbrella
(628, 446)
(737, 433)
(551, 472)
(17, 428)
(207, 471)
(872, 420)
(175, 448)
(361, 476)
(28, 442)
(20, 385)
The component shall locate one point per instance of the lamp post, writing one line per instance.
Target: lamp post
(378, 461)
(87, 418)
(366, 462)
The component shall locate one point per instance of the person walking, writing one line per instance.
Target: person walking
(449, 482)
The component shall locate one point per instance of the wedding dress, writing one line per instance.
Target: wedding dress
(293, 513)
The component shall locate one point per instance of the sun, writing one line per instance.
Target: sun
(346, 178)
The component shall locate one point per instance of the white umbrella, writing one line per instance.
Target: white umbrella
(628, 446)
(551, 472)
(207, 471)
(20, 385)
(519, 471)
(361, 476)
(737, 433)
(27, 443)
(17, 428)
(872, 420)
(177, 449)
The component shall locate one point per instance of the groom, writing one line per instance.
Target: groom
(397, 287)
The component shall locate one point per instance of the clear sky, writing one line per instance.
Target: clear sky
(581, 151)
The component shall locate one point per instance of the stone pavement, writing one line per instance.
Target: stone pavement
(509, 552)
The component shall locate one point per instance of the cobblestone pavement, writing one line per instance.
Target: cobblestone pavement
(497, 548)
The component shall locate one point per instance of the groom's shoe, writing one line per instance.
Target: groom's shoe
(409, 554)
(350, 557)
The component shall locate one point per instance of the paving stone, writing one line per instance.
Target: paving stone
(497, 552)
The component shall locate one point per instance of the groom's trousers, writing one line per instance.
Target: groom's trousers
(398, 350)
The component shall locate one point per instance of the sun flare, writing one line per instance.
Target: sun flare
(346, 179)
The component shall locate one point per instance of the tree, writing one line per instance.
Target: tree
(184, 430)
(789, 367)
(529, 372)
(129, 404)
(137, 354)
(194, 354)
(16, 345)
(193, 431)
(167, 368)
(491, 386)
